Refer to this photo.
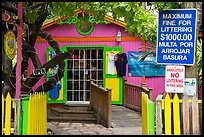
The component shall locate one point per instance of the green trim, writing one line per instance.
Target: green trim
(63, 100)
(25, 118)
(84, 33)
(151, 117)
(20, 115)
(83, 46)
(105, 75)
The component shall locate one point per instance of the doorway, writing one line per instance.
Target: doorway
(84, 65)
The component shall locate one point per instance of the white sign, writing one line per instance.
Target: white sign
(111, 64)
(190, 86)
(174, 79)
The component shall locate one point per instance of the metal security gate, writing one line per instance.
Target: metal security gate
(85, 64)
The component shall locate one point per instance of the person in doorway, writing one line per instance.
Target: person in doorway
(55, 92)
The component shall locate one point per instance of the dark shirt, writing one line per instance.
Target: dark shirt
(120, 63)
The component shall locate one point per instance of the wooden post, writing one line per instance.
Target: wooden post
(19, 49)
(150, 94)
(16, 115)
(143, 84)
(90, 103)
(124, 92)
(109, 108)
(195, 116)
(98, 105)
(186, 128)
(159, 115)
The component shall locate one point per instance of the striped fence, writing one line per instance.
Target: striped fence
(176, 116)
(148, 115)
(31, 115)
(6, 115)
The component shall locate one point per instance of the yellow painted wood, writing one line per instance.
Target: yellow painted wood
(35, 112)
(145, 114)
(45, 114)
(2, 127)
(162, 104)
(8, 115)
(113, 83)
(167, 114)
(29, 116)
(176, 115)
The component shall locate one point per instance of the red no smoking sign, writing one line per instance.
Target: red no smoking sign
(174, 79)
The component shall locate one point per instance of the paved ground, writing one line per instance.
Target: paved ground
(124, 122)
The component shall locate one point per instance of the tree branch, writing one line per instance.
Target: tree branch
(37, 4)
(7, 6)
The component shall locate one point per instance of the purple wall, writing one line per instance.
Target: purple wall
(100, 30)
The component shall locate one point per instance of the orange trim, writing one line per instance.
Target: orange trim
(143, 49)
(200, 34)
(52, 22)
(89, 39)
(115, 22)
(143, 45)
(143, 79)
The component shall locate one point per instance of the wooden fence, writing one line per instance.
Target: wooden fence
(148, 115)
(7, 128)
(176, 112)
(30, 118)
(100, 103)
(132, 95)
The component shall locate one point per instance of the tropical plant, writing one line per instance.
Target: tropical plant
(199, 61)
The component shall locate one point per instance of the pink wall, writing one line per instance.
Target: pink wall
(100, 30)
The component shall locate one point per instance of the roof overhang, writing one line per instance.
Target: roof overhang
(58, 19)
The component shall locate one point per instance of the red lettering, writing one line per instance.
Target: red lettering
(174, 75)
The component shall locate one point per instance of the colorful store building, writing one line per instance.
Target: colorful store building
(92, 46)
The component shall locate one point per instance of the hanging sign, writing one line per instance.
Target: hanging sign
(190, 86)
(176, 37)
(174, 79)
(39, 72)
(10, 44)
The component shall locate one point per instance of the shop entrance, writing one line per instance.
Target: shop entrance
(84, 65)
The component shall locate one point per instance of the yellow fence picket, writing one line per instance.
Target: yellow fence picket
(167, 114)
(45, 113)
(29, 116)
(176, 115)
(8, 115)
(145, 114)
(2, 114)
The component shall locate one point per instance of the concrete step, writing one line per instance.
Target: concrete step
(84, 107)
(61, 112)
(52, 117)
